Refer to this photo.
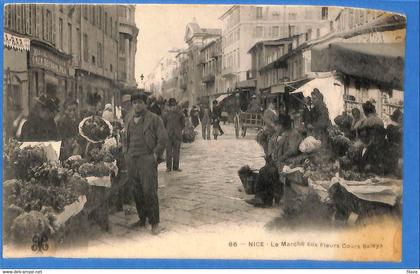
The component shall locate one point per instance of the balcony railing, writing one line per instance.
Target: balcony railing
(202, 59)
(208, 78)
(214, 54)
(228, 72)
(122, 76)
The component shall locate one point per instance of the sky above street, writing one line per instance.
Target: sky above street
(162, 27)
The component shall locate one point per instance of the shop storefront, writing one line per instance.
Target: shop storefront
(50, 71)
(371, 72)
(15, 80)
(88, 83)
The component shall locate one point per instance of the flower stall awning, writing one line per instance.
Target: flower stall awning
(330, 89)
(381, 62)
(18, 43)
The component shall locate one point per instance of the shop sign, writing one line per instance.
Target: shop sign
(17, 43)
(277, 89)
(50, 61)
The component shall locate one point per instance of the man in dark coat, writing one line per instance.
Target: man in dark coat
(320, 116)
(40, 125)
(216, 116)
(174, 121)
(254, 106)
(306, 116)
(154, 107)
(375, 156)
(146, 140)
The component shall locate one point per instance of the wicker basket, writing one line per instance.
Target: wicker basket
(249, 181)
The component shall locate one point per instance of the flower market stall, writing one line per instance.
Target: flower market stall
(43, 195)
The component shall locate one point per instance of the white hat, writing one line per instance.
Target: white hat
(108, 107)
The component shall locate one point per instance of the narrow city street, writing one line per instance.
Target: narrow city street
(95, 93)
(207, 193)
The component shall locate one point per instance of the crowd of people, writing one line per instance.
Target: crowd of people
(149, 126)
(146, 128)
(357, 142)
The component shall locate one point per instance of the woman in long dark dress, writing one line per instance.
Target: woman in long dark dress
(320, 116)
(40, 125)
(194, 117)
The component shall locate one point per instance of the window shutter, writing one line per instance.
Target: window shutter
(116, 30)
(54, 23)
(44, 24)
(28, 18)
(6, 16)
(38, 17)
(18, 19)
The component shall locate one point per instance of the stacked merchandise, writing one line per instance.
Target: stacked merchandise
(40, 190)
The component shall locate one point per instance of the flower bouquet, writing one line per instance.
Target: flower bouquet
(95, 129)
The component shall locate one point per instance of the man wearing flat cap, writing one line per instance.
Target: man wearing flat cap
(146, 140)
(125, 107)
(174, 121)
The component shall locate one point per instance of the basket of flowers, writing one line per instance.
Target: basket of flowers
(95, 129)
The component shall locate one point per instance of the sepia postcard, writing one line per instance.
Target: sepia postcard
(258, 132)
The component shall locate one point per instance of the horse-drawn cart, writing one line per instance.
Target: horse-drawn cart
(247, 120)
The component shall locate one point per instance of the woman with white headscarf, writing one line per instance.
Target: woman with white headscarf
(108, 113)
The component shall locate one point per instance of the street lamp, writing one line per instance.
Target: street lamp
(141, 80)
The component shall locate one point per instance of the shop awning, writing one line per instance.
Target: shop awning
(222, 97)
(381, 62)
(331, 90)
(15, 42)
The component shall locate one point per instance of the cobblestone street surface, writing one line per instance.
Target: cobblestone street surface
(206, 195)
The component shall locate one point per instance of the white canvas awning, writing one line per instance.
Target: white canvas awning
(332, 91)
(15, 42)
(222, 97)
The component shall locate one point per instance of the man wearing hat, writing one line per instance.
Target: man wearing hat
(217, 115)
(146, 140)
(253, 105)
(174, 121)
(125, 106)
(153, 106)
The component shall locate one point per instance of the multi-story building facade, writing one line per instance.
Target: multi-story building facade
(128, 32)
(96, 37)
(211, 69)
(377, 38)
(197, 37)
(243, 26)
(163, 80)
(153, 81)
(73, 51)
(181, 72)
(332, 61)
